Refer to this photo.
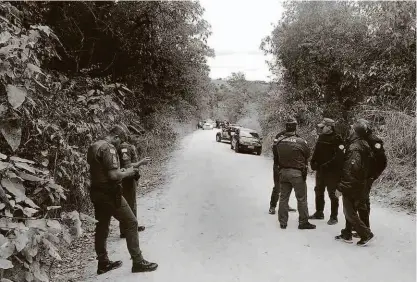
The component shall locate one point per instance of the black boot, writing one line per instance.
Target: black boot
(144, 266)
(332, 221)
(364, 241)
(306, 225)
(271, 210)
(107, 265)
(317, 215)
(344, 237)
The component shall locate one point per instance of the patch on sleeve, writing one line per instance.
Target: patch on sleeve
(112, 151)
(124, 150)
(125, 156)
(378, 146)
(341, 147)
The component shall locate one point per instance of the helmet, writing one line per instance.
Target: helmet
(362, 127)
(291, 120)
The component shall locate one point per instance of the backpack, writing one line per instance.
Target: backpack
(378, 158)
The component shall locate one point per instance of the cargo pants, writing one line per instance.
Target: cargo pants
(326, 180)
(129, 193)
(289, 179)
(104, 208)
(351, 207)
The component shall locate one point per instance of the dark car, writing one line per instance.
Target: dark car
(246, 140)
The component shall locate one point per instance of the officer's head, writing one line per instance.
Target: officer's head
(327, 126)
(291, 125)
(118, 135)
(361, 128)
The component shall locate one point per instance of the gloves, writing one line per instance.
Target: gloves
(136, 175)
(338, 193)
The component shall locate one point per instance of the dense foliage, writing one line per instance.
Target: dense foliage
(345, 59)
(68, 70)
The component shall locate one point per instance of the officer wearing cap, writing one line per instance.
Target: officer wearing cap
(275, 170)
(327, 161)
(293, 154)
(106, 195)
(353, 183)
(129, 158)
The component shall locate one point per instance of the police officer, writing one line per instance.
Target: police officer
(129, 158)
(353, 184)
(327, 161)
(276, 189)
(293, 154)
(376, 168)
(106, 195)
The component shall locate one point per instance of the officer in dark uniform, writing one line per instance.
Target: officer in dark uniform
(129, 158)
(327, 161)
(293, 154)
(106, 195)
(276, 189)
(353, 184)
(376, 169)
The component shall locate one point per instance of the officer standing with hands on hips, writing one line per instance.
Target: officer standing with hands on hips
(129, 158)
(327, 161)
(106, 195)
(293, 154)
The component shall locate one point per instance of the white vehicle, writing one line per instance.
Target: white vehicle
(208, 126)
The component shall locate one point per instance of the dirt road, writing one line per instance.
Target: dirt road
(210, 223)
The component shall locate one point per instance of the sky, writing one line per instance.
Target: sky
(238, 27)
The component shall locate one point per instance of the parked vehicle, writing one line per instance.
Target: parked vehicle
(227, 132)
(208, 125)
(246, 140)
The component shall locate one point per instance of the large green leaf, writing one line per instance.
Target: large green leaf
(5, 264)
(52, 250)
(14, 187)
(15, 95)
(39, 272)
(21, 240)
(7, 249)
(12, 133)
(20, 160)
(4, 165)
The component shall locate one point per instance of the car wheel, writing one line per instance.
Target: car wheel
(218, 138)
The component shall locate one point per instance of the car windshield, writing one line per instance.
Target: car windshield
(249, 134)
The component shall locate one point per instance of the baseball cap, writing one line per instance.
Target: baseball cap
(326, 122)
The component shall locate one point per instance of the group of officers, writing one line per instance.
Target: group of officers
(346, 168)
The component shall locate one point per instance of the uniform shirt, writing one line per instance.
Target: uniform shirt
(274, 151)
(102, 157)
(328, 153)
(127, 154)
(355, 168)
(293, 152)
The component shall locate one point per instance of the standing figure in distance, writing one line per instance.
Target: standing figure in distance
(129, 158)
(353, 184)
(106, 195)
(293, 154)
(327, 161)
